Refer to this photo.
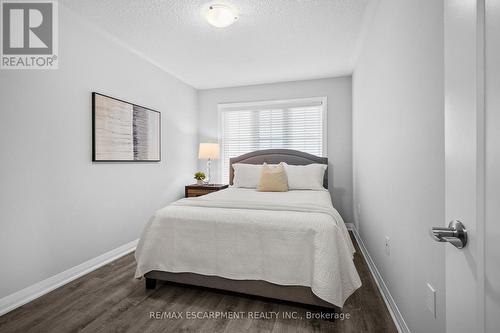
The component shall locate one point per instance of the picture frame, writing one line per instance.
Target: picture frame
(124, 131)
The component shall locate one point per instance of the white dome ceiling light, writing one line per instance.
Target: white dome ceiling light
(221, 15)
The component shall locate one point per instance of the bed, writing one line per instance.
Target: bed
(290, 246)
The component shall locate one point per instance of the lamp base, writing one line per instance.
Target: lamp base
(207, 180)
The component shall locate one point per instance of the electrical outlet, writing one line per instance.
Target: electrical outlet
(387, 245)
(430, 300)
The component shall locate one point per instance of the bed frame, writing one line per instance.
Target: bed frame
(298, 294)
(275, 156)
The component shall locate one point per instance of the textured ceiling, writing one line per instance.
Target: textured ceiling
(273, 40)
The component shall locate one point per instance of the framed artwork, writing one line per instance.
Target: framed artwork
(124, 132)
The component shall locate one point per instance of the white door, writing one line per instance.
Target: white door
(492, 167)
(472, 138)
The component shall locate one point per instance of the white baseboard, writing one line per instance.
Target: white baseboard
(21, 297)
(396, 315)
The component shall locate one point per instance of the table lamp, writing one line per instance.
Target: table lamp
(209, 152)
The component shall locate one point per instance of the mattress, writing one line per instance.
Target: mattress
(287, 238)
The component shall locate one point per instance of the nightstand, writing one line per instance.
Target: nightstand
(196, 190)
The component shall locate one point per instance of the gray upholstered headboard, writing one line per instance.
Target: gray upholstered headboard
(274, 156)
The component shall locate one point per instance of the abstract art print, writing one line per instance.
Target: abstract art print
(124, 131)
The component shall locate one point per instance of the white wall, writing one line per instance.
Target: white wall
(338, 91)
(57, 208)
(398, 152)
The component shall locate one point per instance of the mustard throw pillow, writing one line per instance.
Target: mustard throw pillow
(273, 179)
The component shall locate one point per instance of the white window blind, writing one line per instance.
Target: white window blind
(292, 124)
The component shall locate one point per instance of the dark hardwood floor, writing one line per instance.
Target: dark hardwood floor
(111, 300)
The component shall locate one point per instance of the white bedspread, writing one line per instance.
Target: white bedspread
(289, 238)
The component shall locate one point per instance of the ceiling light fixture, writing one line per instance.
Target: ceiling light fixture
(221, 15)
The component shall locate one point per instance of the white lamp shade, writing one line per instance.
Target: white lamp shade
(221, 15)
(208, 151)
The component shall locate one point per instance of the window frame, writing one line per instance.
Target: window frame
(269, 103)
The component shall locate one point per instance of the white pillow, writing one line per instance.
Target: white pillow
(305, 177)
(246, 175)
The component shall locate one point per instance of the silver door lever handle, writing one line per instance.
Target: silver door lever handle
(456, 234)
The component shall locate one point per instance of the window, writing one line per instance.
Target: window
(293, 124)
